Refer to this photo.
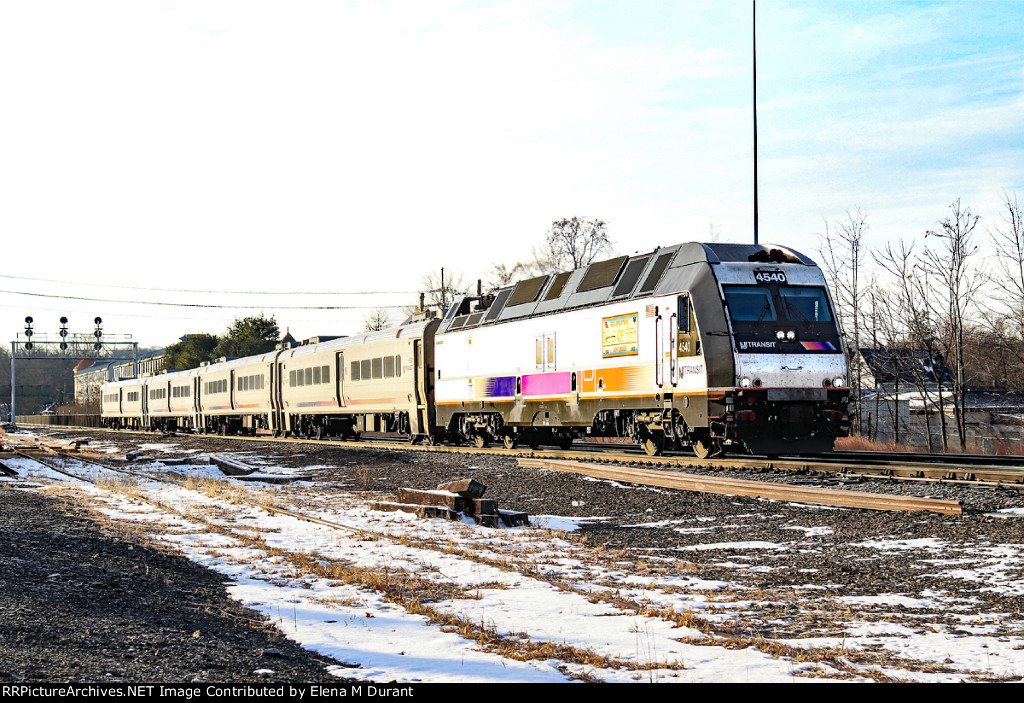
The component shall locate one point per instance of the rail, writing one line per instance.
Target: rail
(740, 487)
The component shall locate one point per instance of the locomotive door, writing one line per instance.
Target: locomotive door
(544, 346)
(685, 340)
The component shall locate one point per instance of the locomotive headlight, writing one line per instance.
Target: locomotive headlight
(779, 334)
(791, 335)
(745, 382)
(838, 382)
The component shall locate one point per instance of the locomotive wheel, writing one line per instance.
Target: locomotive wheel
(564, 441)
(654, 443)
(511, 441)
(705, 448)
(480, 440)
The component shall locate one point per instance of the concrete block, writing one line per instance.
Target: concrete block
(512, 518)
(482, 506)
(468, 487)
(443, 498)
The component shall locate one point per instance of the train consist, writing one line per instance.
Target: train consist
(717, 347)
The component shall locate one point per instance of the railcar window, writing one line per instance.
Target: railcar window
(389, 367)
(398, 365)
(749, 303)
(378, 368)
(325, 374)
(316, 374)
(291, 379)
(355, 371)
(806, 304)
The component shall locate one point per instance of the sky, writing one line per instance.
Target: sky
(173, 166)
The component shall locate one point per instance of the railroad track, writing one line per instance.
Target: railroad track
(972, 469)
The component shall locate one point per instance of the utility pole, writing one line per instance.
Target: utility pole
(754, 33)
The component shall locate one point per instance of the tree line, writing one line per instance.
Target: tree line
(247, 336)
(938, 299)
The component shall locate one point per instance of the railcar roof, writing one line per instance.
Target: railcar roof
(621, 278)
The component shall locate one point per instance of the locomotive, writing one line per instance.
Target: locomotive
(715, 347)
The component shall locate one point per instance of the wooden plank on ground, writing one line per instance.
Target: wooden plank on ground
(740, 487)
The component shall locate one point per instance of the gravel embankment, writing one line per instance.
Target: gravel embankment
(151, 603)
(82, 601)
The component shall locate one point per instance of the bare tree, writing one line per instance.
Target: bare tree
(958, 283)
(842, 254)
(574, 242)
(501, 275)
(714, 231)
(375, 320)
(441, 288)
(910, 326)
(1007, 324)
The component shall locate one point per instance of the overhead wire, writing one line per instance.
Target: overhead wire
(209, 306)
(207, 292)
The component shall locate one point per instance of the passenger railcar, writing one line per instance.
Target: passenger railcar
(123, 404)
(171, 400)
(372, 382)
(377, 382)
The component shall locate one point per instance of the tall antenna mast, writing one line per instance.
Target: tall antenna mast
(755, 117)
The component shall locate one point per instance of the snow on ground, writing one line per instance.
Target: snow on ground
(529, 585)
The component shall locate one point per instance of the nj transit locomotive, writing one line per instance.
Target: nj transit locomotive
(717, 347)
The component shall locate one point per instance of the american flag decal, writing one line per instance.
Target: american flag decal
(650, 310)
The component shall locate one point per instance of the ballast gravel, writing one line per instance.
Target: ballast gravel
(83, 602)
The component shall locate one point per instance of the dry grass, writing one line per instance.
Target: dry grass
(1001, 446)
(863, 444)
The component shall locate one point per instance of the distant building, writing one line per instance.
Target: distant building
(902, 393)
(90, 375)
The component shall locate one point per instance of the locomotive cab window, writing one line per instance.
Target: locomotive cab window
(749, 303)
(806, 304)
(683, 314)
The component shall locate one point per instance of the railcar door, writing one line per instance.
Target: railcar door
(339, 373)
(417, 421)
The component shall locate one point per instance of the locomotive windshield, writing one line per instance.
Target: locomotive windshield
(805, 304)
(781, 318)
(749, 303)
